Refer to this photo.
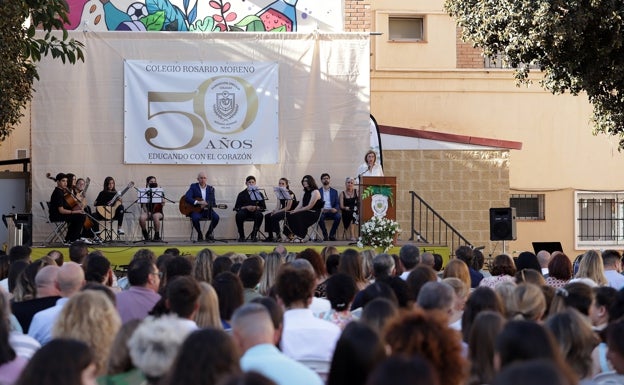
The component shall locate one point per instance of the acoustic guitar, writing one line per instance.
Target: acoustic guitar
(187, 208)
(108, 211)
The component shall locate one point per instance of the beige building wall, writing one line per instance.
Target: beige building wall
(559, 154)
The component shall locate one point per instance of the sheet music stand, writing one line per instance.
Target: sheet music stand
(151, 196)
(282, 193)
(258, 195)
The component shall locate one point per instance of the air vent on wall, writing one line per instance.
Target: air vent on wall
(21, 153)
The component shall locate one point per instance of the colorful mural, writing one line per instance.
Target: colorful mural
(206, 15)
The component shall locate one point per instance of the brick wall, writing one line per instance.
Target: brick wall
(467, 56)
(460, 185)
(357, 16)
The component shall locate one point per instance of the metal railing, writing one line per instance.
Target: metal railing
(429, 227)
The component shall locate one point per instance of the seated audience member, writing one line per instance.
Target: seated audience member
(482, 298)
(436, 296)
(532, 372)
(426, 333)
(615, 353)
(60, 362)
(119, 364)
(182, 296)
(410, 257)
(202, 265)
(350, 263)
(90, 317)
(140, 298)
(70, 281)
(478, 263)
(154, 346)
(11, 364)
(98, 269)
(208, 312)
(198, 365)
(417, 278)
(466, 254)
(530, 276)
(529, 303)
(591, 267)
(461, 296)
(613, 268)
(331, 264)
(527, 260)
(250, 274)
(481, 341)
(304, 337)
(404, 370)
(559, 270)
(543, 257)
(377, 312)
(576, 340)
(25, 286)
(318, 304)
(320, 273)
(575, 294)
(255, 335)
(522, 341)
(383, 270)
(502, 270)
(358, 352)
(47, 295)
(438, 262)
(456, 268)
(277, 315)
(272, 264)
(340, 293)
(230, 294)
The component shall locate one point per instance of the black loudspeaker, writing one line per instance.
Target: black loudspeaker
(503, 224)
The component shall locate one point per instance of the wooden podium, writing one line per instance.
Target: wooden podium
(371, 188)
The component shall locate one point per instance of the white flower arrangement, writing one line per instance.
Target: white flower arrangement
(378, 233)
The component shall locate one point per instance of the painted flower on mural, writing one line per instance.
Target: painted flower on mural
(378, 233)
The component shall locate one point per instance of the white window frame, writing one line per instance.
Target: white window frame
(409, 17)
(612, 227)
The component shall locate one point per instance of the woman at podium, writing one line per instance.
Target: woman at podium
(370, 166)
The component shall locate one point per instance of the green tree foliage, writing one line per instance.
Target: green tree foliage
(21, 49)
(578, 44)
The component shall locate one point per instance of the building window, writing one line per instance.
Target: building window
(406, 28)
(599, 219)
(528, 206)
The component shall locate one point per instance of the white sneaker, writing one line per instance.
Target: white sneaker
(86, 240)
(120, 232)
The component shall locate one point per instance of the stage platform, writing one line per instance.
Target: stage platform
(120, 253)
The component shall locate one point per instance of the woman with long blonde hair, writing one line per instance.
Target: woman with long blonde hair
(272, 264)
(591, 266)
(90, 317)
(208, 313)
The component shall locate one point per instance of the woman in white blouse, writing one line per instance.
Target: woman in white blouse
(370, 166)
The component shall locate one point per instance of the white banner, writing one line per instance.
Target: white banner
(200, 112)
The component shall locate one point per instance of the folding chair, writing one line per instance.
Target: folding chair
(59, 229)
(314, 232)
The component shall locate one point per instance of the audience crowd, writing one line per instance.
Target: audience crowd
(310, 318)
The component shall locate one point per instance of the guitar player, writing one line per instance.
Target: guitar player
(202, 195)
(103, 201)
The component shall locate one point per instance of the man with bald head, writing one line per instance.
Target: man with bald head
(202, 197)
(46, 296)
(70, 280)
(253, 332)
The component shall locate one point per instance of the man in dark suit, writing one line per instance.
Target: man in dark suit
(202, 195)
(331, 210)
(249, 206)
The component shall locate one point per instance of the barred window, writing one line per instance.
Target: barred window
(599, 219)
(528, 206)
